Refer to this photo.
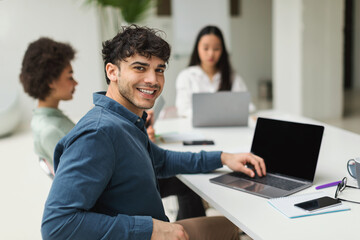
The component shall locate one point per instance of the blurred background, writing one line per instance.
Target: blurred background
(296, 56)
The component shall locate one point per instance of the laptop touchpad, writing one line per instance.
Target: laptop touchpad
(227, 179)
(247, 185)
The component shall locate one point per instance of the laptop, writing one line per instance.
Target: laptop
(220, 109)
(290, 151)
(158, 106)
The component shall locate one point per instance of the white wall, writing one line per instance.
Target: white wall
(22, 22)
(188, 19)
(251, 38)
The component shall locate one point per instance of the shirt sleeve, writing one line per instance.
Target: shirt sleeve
(183, 94)
(81, 176)
(169, 163)
(49, 137)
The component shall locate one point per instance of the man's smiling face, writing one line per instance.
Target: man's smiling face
(140, 81)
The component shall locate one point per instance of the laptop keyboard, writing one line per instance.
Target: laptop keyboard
(270, 180)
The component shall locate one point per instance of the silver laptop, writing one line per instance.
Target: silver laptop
(220, 109)
(290, 151)
(158, 106)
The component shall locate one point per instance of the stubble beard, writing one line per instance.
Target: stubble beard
(125, 93)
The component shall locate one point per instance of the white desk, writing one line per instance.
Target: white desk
(254, 214)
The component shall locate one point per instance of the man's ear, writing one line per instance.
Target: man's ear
(112, 72)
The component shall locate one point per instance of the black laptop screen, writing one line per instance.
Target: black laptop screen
(288, 148)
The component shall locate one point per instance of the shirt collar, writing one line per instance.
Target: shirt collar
(216, 77)
(99, 99)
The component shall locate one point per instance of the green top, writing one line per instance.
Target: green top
(49, 125)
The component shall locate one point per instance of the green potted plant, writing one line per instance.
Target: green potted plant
(115, 13)
(132, 11)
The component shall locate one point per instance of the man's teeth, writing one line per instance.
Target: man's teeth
(146, 91)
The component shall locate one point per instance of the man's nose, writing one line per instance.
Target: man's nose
(151, 77)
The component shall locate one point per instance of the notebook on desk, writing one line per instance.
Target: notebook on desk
(285, 205)
(220, 109)
(290, 151)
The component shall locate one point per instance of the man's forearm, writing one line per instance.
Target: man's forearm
(90, 225)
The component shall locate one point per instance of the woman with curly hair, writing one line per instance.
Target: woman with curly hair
(47, 75)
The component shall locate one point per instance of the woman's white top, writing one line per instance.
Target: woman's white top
(194, 80)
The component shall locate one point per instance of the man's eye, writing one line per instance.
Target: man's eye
(160, 70)
(140, 68)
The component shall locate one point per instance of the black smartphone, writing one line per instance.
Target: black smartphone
(318, 203)
(198, 142)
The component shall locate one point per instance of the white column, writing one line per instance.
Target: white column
(287, 56)
(307, 57)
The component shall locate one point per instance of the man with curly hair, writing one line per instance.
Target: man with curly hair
(47, 75)
(105, 186)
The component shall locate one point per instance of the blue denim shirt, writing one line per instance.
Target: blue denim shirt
(105, 183)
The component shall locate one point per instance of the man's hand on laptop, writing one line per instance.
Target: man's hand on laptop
(237, 162)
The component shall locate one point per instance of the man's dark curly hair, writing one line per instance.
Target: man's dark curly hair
(43, 62)
(134, 40)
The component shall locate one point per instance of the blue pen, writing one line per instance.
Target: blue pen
(328, 185)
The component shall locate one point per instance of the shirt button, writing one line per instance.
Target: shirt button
(138, 120)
